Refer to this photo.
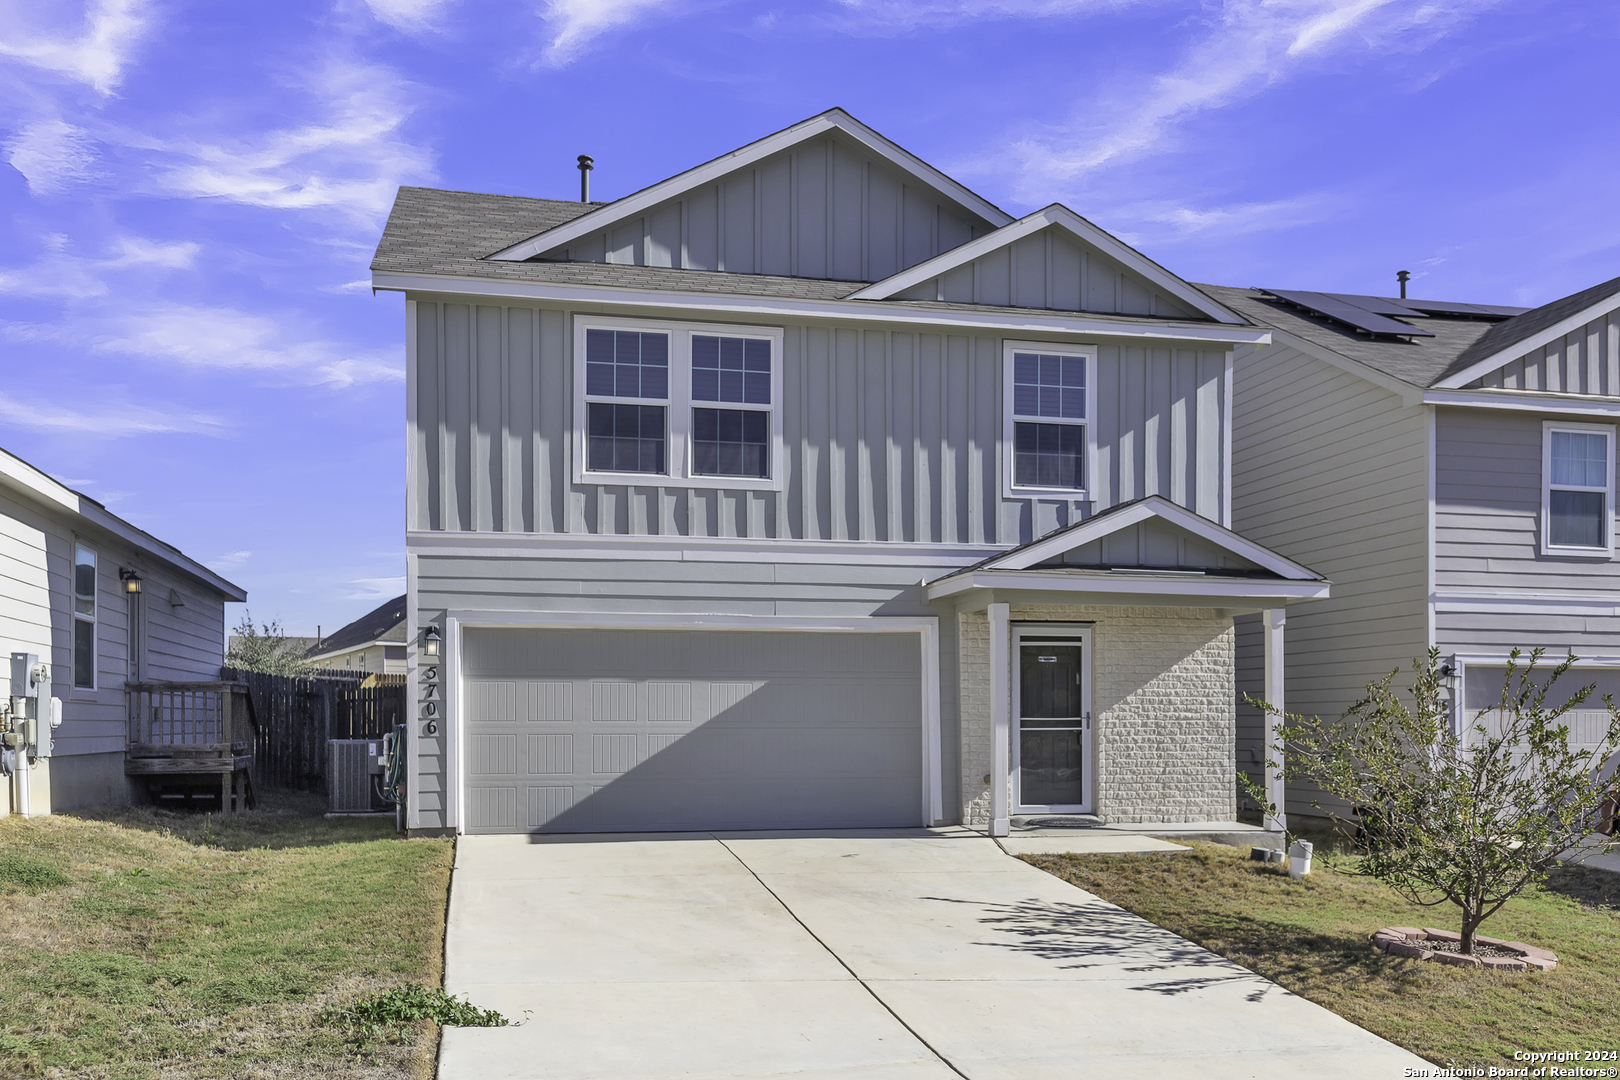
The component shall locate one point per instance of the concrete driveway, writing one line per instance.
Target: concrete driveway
(905, 955)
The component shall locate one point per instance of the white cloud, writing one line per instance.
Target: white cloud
(937, 14)
(377, 588)
(1170, 221)
(574, 24)
(230, 340)
(352, 159)
(52, 155)
(229, 561)
(97, 56)
(57, 273)
(411, 16)
(109, 422)
(1251, 46)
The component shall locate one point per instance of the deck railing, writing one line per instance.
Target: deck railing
(197, 717)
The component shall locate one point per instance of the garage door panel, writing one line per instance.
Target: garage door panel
(648, 730)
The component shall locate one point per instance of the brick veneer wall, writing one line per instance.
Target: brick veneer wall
(1163, 706)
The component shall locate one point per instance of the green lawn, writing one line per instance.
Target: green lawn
(147, 943)
(1312, 936)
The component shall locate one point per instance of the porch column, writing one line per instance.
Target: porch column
(1276, 792)
(1000, 721)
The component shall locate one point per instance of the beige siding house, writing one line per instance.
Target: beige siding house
(808, 489)
(67, 567)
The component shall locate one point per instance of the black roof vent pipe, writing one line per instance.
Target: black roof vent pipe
(587, 163)
(1402, 276)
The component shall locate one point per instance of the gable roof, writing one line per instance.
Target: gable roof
(374, 625)
(1507, 341)
(833, 120)
(1060, 217)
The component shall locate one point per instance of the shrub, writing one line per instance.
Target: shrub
(403, 1005)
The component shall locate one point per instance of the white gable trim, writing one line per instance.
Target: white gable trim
(1167, 589)
(1410, 393)
(1062, 217)
(1154, 506)
(1530, 344)
(832, 120)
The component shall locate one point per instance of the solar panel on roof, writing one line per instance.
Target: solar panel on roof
(1348, 313)
(1447, 307)
(1378, 305)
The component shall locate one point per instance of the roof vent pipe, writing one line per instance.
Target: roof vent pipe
(586, 164)
(1402, 276)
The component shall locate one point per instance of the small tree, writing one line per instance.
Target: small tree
(265, 648)
(1469, 817)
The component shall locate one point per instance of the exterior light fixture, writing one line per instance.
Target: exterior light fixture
(430, 641)
(131, 580)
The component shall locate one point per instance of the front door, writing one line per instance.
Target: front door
(1052, 748)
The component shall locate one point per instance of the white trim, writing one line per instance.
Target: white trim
(1023, 320)
(1273, 624)
(1432, 517)
(838, 120)
(1606, 549)
(695, 548)
(925, 626)
(413, 718)
(1226, 444)
(1195, 590)
(999, 617)
(413, 436)
(1059, 216)
(1010, 488)
(1526, 401)
(1088, 754)
(1153, 506)
(678, 406)
(1410, 393)
(94, 618)
(1562, 328)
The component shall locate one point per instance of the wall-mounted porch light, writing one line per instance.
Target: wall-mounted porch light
(131, 580)
(430, 641)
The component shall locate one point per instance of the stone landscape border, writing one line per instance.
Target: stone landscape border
(1408, 941)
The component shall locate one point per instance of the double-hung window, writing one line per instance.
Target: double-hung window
(695, 404)
(84, 617)
(1577, 489)
(1048, 391)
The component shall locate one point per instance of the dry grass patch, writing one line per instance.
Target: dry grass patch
(189, 945)
(1313, 937)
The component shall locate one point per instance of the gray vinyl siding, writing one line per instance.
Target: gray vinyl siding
(821, 210)
(1330, 471)
(1583, 361)
(1050, 270)
(1488, 474)
(890, 434)
(743, 587)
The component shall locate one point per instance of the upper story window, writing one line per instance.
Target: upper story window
(84, 617)
(1047, 429)
(697, 405)
(1577, 489)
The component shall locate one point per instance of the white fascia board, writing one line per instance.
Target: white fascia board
(694, 549)
(1062, 217)
(28, 481)
(1410, 393)
(1155, 506)
(1527, 401)
(1032, 321)
(1530, 344)
(605, 217)
(1193, 589)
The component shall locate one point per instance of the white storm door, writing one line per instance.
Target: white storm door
(1052, 755)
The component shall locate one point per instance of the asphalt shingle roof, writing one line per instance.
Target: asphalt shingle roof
(366, 629)
(1505, 335)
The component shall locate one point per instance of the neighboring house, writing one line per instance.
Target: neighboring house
(1450, 467)
(103, 603)
(374, 642)
(809, 489)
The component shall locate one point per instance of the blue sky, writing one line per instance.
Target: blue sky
(194, 191)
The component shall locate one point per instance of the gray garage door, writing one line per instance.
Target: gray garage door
(624, 731)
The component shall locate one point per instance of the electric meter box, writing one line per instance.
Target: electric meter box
(22, 667)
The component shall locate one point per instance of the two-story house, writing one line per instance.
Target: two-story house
(1451, 467)
(809, 489)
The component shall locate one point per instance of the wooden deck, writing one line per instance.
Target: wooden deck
(198, 730)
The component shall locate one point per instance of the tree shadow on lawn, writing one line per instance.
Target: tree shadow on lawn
(281, 818)
(1586, 885)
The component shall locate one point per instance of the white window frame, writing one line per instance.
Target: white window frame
(678, 419)
(1082, 635)
(1606, 549)
(94, 619)
(1010, 487)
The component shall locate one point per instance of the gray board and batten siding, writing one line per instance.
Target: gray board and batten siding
(1584, 361)
(825, 208)
(1333, 475)
(1051, 270)
(890, 435)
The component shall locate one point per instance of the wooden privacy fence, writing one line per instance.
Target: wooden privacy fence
(369, 712)
(296, 717)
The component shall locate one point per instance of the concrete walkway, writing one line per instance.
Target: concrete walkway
(906, 955)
